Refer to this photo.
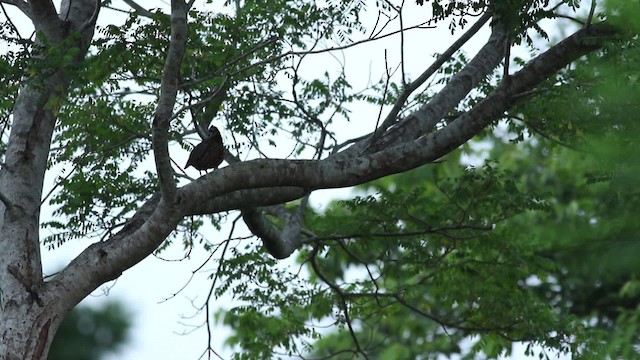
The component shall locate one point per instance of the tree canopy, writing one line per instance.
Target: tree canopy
(432, 256)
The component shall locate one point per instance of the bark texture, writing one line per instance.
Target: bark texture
(31, 309)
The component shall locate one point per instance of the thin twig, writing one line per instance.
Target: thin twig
(411, 87)
(591, 12)
(213, 285)
(341, 297)
(13, 26)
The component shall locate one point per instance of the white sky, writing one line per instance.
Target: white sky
(158, 326)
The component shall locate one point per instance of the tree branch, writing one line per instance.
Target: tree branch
(279, 243)
(423, 120)
(414, 85)
(166, 102)
(139, 9)
(90, 22)
(20, 4)
(262, 178)
(44, 17)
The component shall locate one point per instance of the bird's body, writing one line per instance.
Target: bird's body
(209, 153)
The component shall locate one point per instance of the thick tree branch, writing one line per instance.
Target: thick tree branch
(168, 93)
(424, 119)
(33, 120)
(414, 85)
(45, 19)
(252, 181)
(279, 243)
(84, 14)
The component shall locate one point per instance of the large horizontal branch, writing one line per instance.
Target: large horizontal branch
(281, 179)
(280, 243)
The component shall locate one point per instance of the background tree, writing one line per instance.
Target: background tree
(90, 332)
(69, 110)
(535, 246)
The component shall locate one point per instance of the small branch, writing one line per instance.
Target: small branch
(402, 62)
(591, 12)
(13, 26)
(341, 297)
(139, 9)
(213, 286)
(384, 96)
(204, 101)
(507, 58)
(576, 20)
(227, 65)
(21, 5)
(167, 100)
(414, 85)
(92, 20)
(320, 51)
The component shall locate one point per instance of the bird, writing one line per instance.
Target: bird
(209, 153)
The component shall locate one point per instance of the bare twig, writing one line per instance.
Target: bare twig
(384, 96)
(414, 85)
(13, 26)
(402, 62)
(228, 65)
(341, 297)
(213, 285)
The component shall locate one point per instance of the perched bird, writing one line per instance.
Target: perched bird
(209, 153)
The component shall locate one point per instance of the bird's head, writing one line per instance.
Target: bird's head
(213, 131)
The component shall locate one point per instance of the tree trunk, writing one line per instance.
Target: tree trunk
(30, 311)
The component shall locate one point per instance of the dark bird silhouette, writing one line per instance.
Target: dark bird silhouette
(209, 153)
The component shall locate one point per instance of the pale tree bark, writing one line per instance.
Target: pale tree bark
(31, 308)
